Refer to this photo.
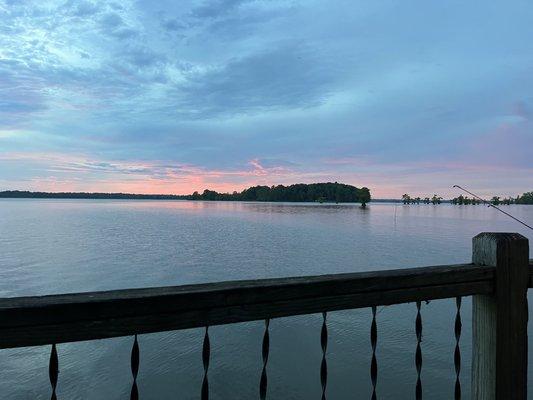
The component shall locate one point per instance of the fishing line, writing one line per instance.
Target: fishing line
(492, 205)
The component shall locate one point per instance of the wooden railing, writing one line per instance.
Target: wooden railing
(497, 278)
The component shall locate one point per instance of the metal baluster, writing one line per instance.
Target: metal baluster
(457, 353)
(265, 350)
(206, 350)
(134, 395)
(324, 364)
(418, 354)
(53, 371)
(374, 362)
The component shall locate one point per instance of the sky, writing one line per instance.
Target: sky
(177, 96)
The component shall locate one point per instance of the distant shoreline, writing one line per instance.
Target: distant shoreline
(155, 198)
(134, 196)
(328, 192)
(19, 194)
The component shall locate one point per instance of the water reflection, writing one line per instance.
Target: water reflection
(57, 246)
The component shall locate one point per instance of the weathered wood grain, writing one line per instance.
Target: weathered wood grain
(499, 359)
(30, 321)
(530, 285)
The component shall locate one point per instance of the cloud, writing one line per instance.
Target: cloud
(285, 77)
(216, 8)
(111, 20)
(147, 177)
(65, 171)
(17, 97)
(522, 109)
(173, 25)
(84, 8)
(113, 25)
(143, 57)
(124, 33)
(507, 145)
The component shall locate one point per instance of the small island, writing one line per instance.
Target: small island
(301, 192)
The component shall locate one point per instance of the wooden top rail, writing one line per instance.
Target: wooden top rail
(530, 274)
(32, 321)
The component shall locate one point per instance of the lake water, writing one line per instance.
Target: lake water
(59, 246)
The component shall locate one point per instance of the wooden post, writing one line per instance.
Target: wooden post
(499, 321)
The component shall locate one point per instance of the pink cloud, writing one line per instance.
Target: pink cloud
(68, 172)
(60, 172)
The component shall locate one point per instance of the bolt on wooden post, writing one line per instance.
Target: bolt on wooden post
(499, 320)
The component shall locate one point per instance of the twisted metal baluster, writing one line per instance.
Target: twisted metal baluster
(457, 353)
(265, 351)
(206, 350)
(418, 354)
(53, 371)
(134, 395)
(374, 362)
(324, 364)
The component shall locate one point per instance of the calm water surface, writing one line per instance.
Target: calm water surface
(60, 246)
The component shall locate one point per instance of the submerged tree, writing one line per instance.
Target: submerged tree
(436, 199)
(526, 198)
(508, 201)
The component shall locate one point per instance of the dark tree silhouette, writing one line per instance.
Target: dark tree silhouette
(322, 192)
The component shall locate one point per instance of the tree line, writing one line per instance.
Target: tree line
(406, 199)
(86, 195)
(526, 198)
(319, 192)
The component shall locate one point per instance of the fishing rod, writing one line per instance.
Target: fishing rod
(492, 205)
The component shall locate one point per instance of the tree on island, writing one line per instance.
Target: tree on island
(526, 198)
(407, 199)
(464, 200)
(436, 199)
(316, 192)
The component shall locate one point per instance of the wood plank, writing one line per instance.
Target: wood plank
(80, 329)
(84, 316)
(499, 321)
(108, 304)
